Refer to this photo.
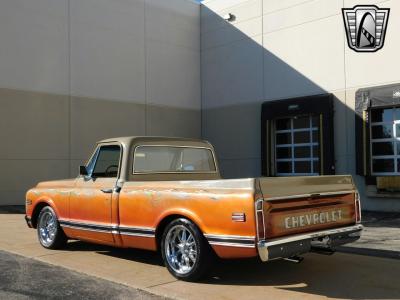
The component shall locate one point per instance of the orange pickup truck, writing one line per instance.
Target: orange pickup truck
(166, 194)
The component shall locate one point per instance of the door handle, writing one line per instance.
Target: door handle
(107, 191)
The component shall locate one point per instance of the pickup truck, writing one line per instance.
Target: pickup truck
(166, 195)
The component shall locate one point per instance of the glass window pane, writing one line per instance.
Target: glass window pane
(282, 124)
(383, 165)
(301, 122)
(382, 115)
(315, 121)
(173, 159)
(397, 114)
(316, 166)
(284, 167)
(302, 167)
(315, 136)
(107, 163)
(382, 131)
(382, 148)
(397, 130)
(301, 137)
(316, 151)
(302, 152)
(283, 152)
(283, 138)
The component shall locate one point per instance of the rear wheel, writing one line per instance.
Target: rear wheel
(50, 234)
(185, 252)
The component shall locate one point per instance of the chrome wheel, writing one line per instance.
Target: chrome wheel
(47, 228)
(180, 249)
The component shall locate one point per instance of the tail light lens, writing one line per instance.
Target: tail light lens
(260, 219)
(357, 207)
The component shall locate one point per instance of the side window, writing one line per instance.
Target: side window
(107, 162)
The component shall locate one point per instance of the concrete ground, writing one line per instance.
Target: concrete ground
(340, 276)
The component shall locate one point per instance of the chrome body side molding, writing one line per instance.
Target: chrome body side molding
(231, 240)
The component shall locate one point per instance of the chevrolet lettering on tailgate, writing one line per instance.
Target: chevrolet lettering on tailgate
(313, 219)
(167, 195)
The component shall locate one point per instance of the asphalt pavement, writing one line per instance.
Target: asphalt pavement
(25, 278)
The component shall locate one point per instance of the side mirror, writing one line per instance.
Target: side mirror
(83, 171)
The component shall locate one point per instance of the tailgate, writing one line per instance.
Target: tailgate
(295, 205)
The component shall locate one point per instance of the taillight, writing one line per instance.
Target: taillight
(260, 219)
(357, 207)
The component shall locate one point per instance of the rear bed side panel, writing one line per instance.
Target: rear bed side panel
(208, 203)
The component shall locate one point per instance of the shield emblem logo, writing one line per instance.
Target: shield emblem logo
(365, 27)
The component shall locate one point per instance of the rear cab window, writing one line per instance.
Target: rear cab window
(173, 159)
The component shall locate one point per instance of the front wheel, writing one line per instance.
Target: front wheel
(50, 234)
(185, 252)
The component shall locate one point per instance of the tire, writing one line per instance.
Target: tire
(185, 252)
(50, 234)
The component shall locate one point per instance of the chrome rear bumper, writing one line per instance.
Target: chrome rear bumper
(301, 243)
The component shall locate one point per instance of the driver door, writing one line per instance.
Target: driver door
(91, 201)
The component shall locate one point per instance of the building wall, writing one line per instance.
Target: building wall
(76, 71)
(277, 49)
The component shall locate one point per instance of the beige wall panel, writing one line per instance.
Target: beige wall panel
(299, 60)
(379, 67)
(218, 5)
(18, 176)
(175, 122)
(351, 3)
(240, 168)
(340, 124)
(351, 135)
(107, 49)
(33, 125)
(235, 130)
(12, 197)
(34, 45)
(214, 20)
(232, 74)
(175, 22)
(173, 75)
(270, 6)
(74, 166)
(299, 14)
(93, 120)
(228, 34)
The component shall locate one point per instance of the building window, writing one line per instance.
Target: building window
(297, 145)
(385, 141)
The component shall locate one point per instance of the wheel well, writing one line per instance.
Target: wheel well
(36, 212)
(163, 224)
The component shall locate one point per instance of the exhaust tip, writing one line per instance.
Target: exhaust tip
(295, 259)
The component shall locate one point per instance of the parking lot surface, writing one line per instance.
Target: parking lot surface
(340, 276)
(25, 278)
